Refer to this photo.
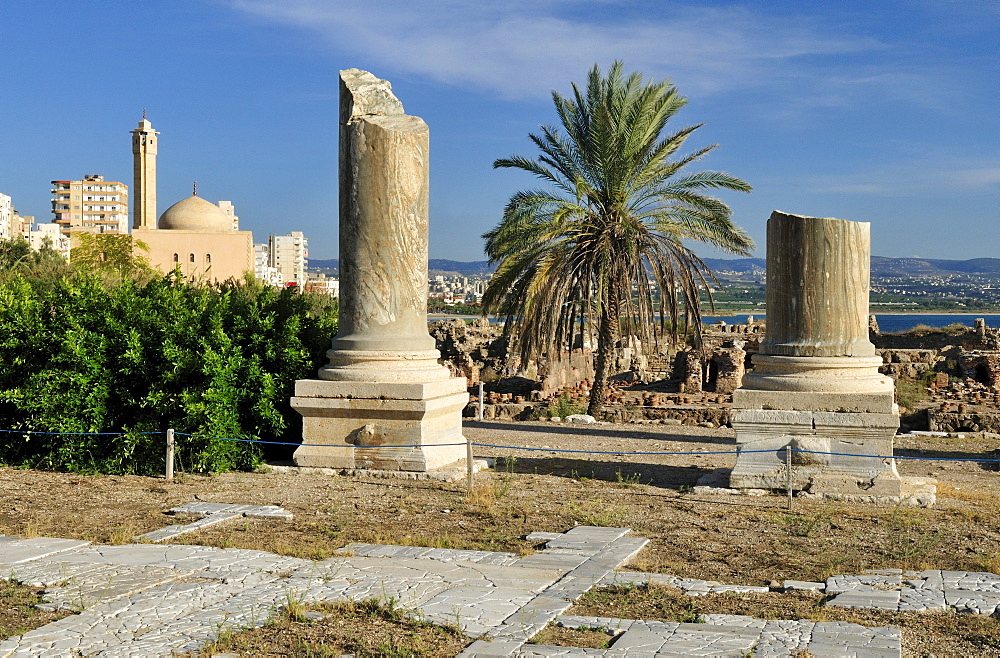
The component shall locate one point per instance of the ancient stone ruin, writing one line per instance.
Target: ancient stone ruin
(383, 401)
(816, 386)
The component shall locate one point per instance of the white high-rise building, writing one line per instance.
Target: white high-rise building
(6, 218)
(262, 266)
(289, 255)
(229, 209)
(52, 234)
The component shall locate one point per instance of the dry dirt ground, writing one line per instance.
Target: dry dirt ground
(734, 539)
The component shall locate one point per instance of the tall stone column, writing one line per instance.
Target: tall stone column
(383, 401)
(815, 385)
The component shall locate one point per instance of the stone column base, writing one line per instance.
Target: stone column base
(355, 425)
(828, 436)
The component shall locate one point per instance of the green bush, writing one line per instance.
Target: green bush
(81, 356)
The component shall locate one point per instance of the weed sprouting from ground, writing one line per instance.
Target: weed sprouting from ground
(626, 481)
(597, 513)
(807, 525)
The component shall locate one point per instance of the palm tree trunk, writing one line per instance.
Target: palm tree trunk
(607, 340)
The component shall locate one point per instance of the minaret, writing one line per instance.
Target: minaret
(144, 175)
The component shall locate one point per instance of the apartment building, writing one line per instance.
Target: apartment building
(92, 204)
(262, 266)
(289, 255)
(6, 217)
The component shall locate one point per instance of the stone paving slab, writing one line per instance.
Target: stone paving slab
(839, 584)
(171, 531)
(106, 583)
(26, 550)
(869, 599)
(731, 635)
(211, 514)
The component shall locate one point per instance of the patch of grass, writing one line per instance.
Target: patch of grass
(806, 525)
(373, 627)
(909, 539)
(584, 637)
(18, 613)
(486, 493)
(911, 392)
(598, 513)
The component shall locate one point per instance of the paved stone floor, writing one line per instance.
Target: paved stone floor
(155, 600)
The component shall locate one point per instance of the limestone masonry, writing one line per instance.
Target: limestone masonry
(816, 387)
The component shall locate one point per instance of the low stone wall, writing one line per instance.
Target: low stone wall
(951, 421)
(714, 416)
(704, 416)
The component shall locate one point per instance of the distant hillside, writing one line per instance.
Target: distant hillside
(320, 264)
(437, 265)
(741, 265)
(881, 266)
(461, 267)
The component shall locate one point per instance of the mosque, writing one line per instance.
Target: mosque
(201, 238)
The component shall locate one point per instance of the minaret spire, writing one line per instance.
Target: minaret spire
(144, 175)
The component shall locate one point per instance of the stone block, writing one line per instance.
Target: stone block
(844, 402)
(358, 424)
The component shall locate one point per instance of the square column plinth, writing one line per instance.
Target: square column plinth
(821, 442)
(364, 425)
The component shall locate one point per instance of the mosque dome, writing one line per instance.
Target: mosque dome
(195, 214)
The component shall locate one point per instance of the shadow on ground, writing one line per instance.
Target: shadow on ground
(581, 430)
(623, 473)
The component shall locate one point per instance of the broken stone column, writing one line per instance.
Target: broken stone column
(383, 401)
(815, 385)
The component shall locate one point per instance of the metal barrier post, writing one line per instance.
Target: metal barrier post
(479, 409)
(468, 461)
(788, 467)
(170, 454)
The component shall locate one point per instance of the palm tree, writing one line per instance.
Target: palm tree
(604, 246)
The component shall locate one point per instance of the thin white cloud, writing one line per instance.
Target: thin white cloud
(526, 49)
(912, 179)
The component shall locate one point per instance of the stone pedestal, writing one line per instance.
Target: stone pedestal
(373, 417)
(383, 401)
(815, 386)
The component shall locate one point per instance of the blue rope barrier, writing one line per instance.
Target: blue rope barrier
(847, 454)
(609, 452)
(492, 445)
(77, 433)
(315, 445)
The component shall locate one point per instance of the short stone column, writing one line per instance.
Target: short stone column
(383, 401)
(815, 385)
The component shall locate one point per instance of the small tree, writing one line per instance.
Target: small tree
(620, 206)
(112, 253)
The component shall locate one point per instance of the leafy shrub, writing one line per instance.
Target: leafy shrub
(133, 359)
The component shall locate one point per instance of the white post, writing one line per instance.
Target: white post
(788, 466)
(468, 461)
(479, 409)
(170, 454)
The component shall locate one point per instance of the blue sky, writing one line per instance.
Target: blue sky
(885, 111)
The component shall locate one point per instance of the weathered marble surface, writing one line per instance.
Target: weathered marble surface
(383, 401)
(815, 387)
(817, 287)
(384, 183)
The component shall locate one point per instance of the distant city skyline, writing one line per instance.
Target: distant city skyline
(882, 112)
